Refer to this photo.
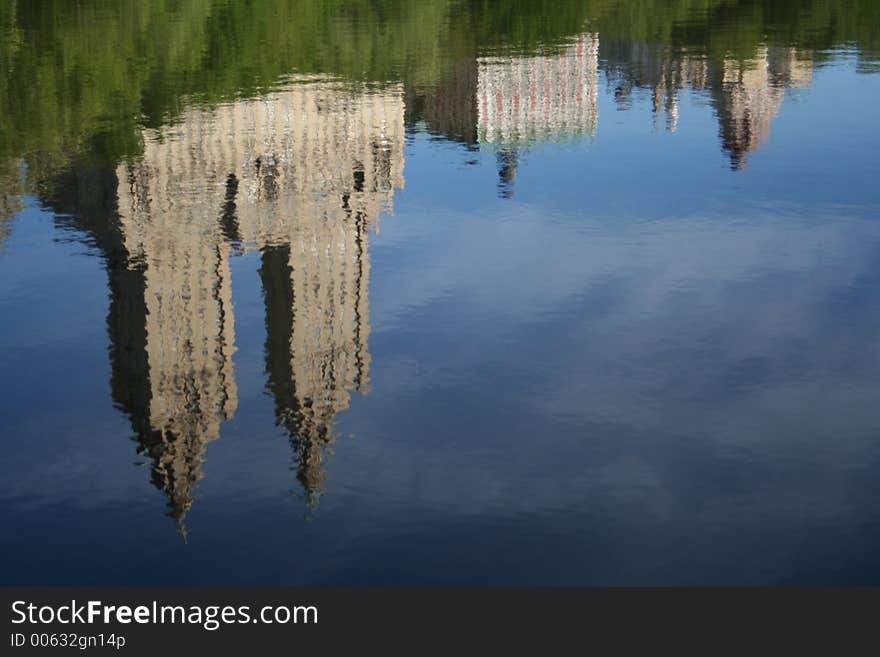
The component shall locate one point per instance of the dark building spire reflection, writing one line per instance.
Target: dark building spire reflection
(508, 160)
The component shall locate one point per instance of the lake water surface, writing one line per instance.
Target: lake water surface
(440, 292)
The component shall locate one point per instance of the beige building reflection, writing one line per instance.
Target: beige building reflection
(751, 95)
(747, 94)
(301, 174)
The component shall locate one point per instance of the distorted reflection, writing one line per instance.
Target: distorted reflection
(522, 100)
(176, 144)
(751, 94)
(300, 174)
(747, 93)
(506, 104)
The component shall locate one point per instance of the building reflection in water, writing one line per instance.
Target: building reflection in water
(747, 94)
(301, 174)
(508, 104)
(524, 100)
(750, 96)
(541, 98)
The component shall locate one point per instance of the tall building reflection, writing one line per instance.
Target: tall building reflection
(173, 388)
(300, 174)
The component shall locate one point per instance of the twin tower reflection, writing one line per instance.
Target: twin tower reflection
(302, 175)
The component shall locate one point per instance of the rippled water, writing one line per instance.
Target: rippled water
(440, 292)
